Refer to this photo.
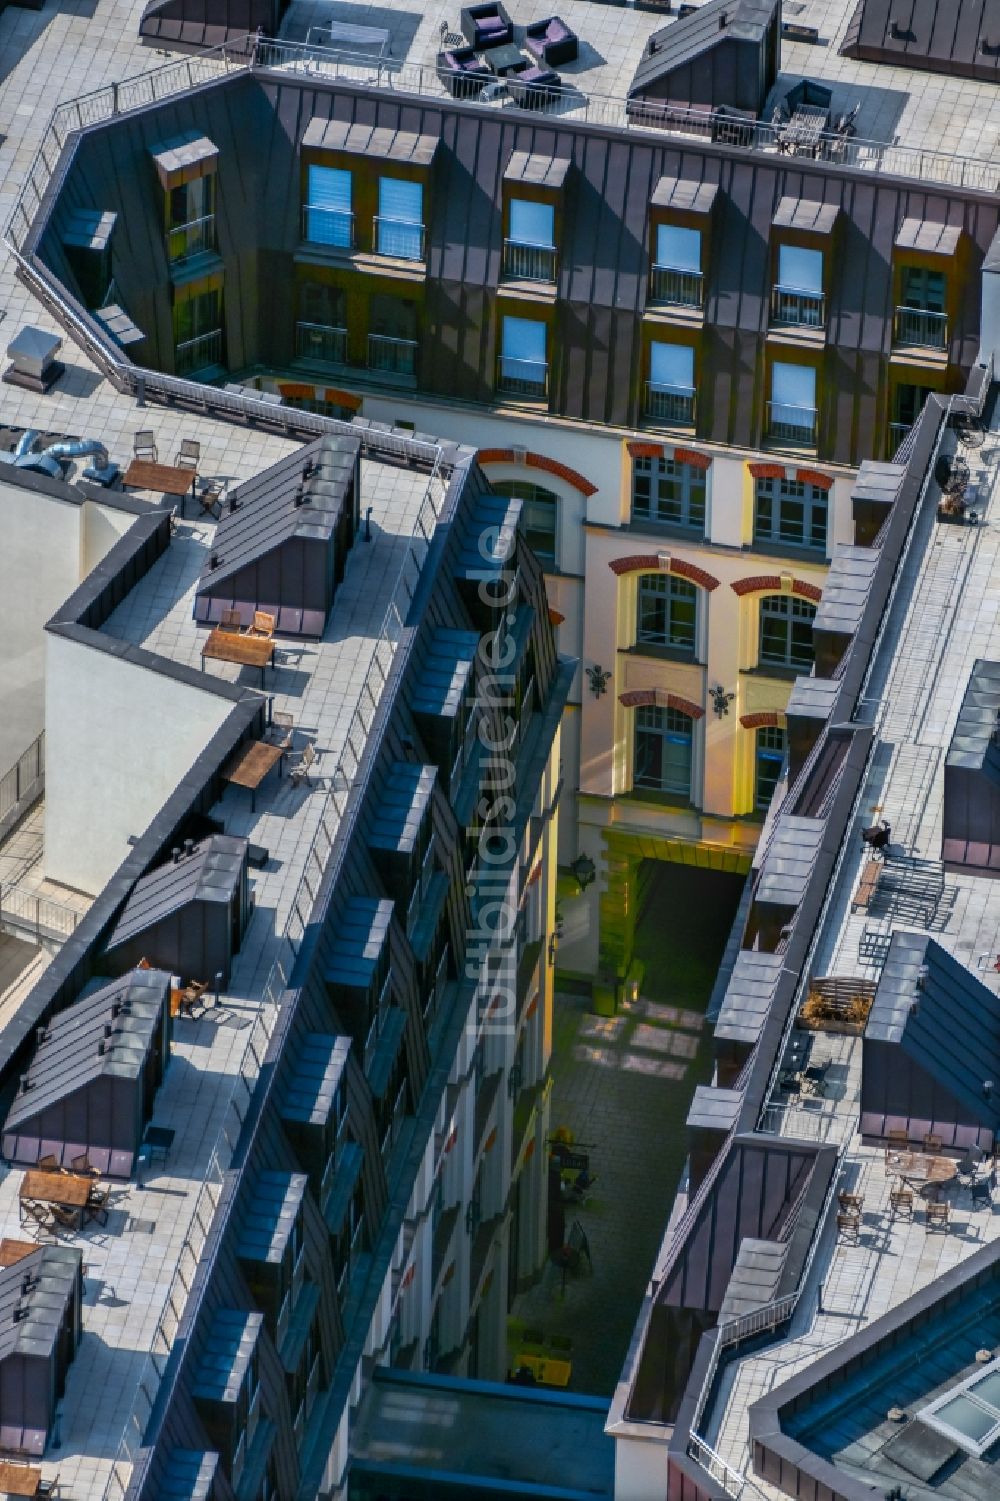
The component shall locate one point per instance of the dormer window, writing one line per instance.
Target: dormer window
(676, 278)
(924, 253)
(797, 299)
(530, 247)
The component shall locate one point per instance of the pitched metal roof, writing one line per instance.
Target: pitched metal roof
(440, 682)
(34, 1293)
(972, 742)
(299, 496)
(958, 37)
(812, 698)
(784, 875)
(210, 872)
(489, 538)
(313, 1078)
(188, 1475)
(846, 589)
(943, 1018)
(749, 995)
(226, 1354)
(537, 169)
(691, 36)
(357, 940)
(806, 214)
(683, 193)
(109, 1031)
(928, 236)
(273, 1204)
(404, 799)
(189, 154)
(371, 140)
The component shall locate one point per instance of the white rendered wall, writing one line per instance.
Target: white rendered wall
(118, 740)
(102, 528)
(39, 569)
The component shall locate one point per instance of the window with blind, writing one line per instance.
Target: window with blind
(399, 227)
(328, 216)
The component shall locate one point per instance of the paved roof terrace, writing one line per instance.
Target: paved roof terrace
(946, 614)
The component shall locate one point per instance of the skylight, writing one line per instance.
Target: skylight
(969, 1413)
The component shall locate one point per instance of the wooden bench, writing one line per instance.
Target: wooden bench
(867, 886)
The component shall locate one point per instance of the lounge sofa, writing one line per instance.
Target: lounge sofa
(533, 88)
(551, 42)
(487, 25)
(461, 72)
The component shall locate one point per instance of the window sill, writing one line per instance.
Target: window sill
(789, 551)
(194, 268)
(673, 529)
(528, 291)
(662, 653)
(772, 670)
(674, 314)
(799, 334)
(367, 261)
(918, 354)
(678, 429)
(502, 399)
(788, 445)
(660, 799)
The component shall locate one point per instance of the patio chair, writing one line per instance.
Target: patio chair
(48, 1487)
(932, 1142)
(230, 620)
(188, 455)
(144, 445)
(282, 729)
(901, 1199)
(968, 1165)
(83, 1164)
(849, 1225)
(300, 773)
(210, 494)
(64, 1218)
(850, 1202)
(982, 1191)
(32, 1211)
(262, 625)
(48, 1163)
(937, 1214)
(192, 994)
(896, 1141)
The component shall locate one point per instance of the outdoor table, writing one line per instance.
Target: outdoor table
(922, 1168)
(253, 766)
(506, 59)
(12, 1251)
(352, 38)
(143, 474)
(247, 651)
(804, 129)
(19, 1480)
(67, 1190)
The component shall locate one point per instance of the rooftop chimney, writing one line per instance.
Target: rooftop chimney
(40, 1035)
(175, 853)
(189, 846)
(25, 1084)
(723, 20)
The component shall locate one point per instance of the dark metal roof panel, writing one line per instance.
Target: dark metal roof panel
(846, 589)
(380, 142)
(181, 152)
(788, 863)
(274, 1202)
(878, 482)
(210, 873)
(749, 995)
(714, 1109)
(441, 681)
(226, 1354)
(39, 1286)
(812, 698)
(684, 193)
(693, 35)
(538, 170)
(314, 1078)
(404, 799)
(188, 1475)
(972, 741)
(929, 236)
(359, 936)
(806, 214)
(488, 539)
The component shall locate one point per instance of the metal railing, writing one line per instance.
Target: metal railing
(920, 328)
(22, 785)
(523, 377)
(199, 353)
(523, 262)
(676, 288)
(792, 424)
(671, 404)
(184, 241)
(26, 913)
(796, 309)
(733, 1483)
(392, 356)
(399, 238)
(897, 434)
(328, 226)
(321, 342)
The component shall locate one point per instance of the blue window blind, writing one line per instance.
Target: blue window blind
(800, 270)
(532, 223)
(329, 220)
(678, 248)
(400, 218)
(671, 366)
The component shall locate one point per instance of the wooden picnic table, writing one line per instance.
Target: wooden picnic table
(804, 129)
(19, 1480)
(247, 651)
(922, 1167)
(168, 479)
(66, 1190)
(250, 769)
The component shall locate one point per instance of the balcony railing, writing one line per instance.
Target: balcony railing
(392, 356)
(673, 404)
(921, 328)
(897, 432)
(792, 424)
(791, 308)
(321, 342)
(676, 288)
(523, 262)
(328, 226)
(200, 353)
(195, 238)
(399, 238)
(523, 377)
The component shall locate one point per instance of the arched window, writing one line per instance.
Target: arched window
(770, 755)
(667, 612)
(786, 632)
(662, 755)
(538, 517)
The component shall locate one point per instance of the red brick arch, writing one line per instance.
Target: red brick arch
(648, 562)
(538, 461)
(762, 721)
(813, 477)
(643, 450)
(636, 697)
(770, 583)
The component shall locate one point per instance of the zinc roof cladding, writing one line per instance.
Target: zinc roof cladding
(266, 514)
(685, 195)
(489, 539)
(812, 698)
(271, 1209)
(226, 1354)
(957, 36)
(89, 228)
(878, 482)
(749, 996)
(69, 1055)
(380, 142)
(178, 153)
(846, 589)
(696, 33)
(789, 861)
(972, 739)
(357, 940)
(949, 1024)
(188, 1475)
(40, 1286)
(403, 802)
(714, 1109)
(806, 214)
(929, 236)
(314, 1077)
(210, 873)
(441, 680)
(537, 169)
